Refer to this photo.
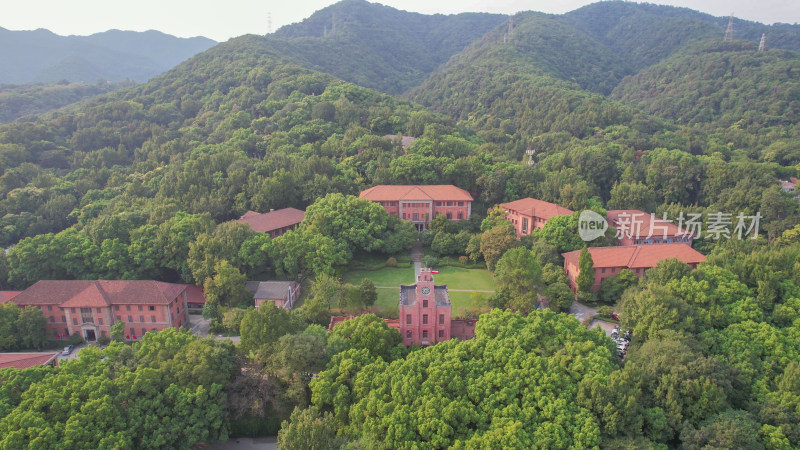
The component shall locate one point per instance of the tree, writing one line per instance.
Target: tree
(366, 331)
(357, 222)
(585, 279)
(303, 253)
(209, 248)
(666, 270)
(519, 276)
(309, 429)
(117, 330)
(611, 288)
(227, 286)
(632, 196)
(369, 294)
(495, 242)
(265, 325)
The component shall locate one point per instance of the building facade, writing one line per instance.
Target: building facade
(421, 203)
(90, 308)
(529, 213)
(635, 227)
(609, 261)
(424, 311)
(275, 223)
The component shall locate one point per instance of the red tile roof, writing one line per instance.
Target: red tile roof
(273, 220)
(195, 294)
(536, 208)
(440, 192)
(637, 256)
(25, 360)
(639, 224)
(80, 293)
(5, 296)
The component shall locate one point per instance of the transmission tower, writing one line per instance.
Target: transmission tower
(729, 31)
(269, 23)
(763, 44)
(530, 152)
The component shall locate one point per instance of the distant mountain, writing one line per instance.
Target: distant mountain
(42, 56)
(377, 46)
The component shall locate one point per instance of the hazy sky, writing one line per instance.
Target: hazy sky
(221, 20)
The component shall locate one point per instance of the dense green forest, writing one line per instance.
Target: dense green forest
(27, 99)
(625, 105)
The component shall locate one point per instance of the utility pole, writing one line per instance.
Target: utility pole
(729, 31)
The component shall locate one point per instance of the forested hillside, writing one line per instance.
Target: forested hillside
(18, 100)
(377, 46)
(114, 55)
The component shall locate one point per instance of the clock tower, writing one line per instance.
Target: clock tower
(424, 311)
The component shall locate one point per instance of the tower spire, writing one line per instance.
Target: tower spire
(763, 44)
(729, 31)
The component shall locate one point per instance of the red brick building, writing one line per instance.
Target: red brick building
(640, 228)
(92, 307)
(421, 203)
(609, 261)
(274, 222)
(425, 314)
(5, 296)
(528, 213)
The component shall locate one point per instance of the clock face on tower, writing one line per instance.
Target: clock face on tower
(425, 290)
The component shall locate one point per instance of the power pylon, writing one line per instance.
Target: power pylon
(729, 31)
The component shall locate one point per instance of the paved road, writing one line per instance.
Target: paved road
(608, 327)
(581, 311)
(416, 258)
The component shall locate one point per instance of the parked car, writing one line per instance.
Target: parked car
(67, 350)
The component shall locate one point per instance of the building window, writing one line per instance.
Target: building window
(116, 307)
(130, 318)
(72, 310)
(153, 319)
(141, 318)
(98, 311)
(408, 319)
(424, 319)
(74, 320)
(86, 315)
(449, 215)
(425, 334)
(128, 307)
(524, 224)
(441, 319)
(63, 318)
(119, 318)
(408, 334)
(151, 308)
(49, 307)
(416, 216)
(144, 331)
(441, 333)
(66, 331)
(133, 332)
(424, 303)
(140, 307)
(460, 203)
(100, 320)
(52, 319)
(460, 215)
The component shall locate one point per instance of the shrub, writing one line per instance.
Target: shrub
(430, 261)
(463, 259)
(75, 339)
(604, 311)
(391, 262)
(103, 340)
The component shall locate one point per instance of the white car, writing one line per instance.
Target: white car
(67, 350)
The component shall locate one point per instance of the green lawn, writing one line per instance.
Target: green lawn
(454, 277)
(467, 279)
(384, 277)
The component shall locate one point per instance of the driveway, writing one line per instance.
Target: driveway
(74, 354)
(608, 327)
(198, 325)
(581, 311)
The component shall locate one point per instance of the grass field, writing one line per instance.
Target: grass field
(467, 279)
(383, 277)
(461, 283)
